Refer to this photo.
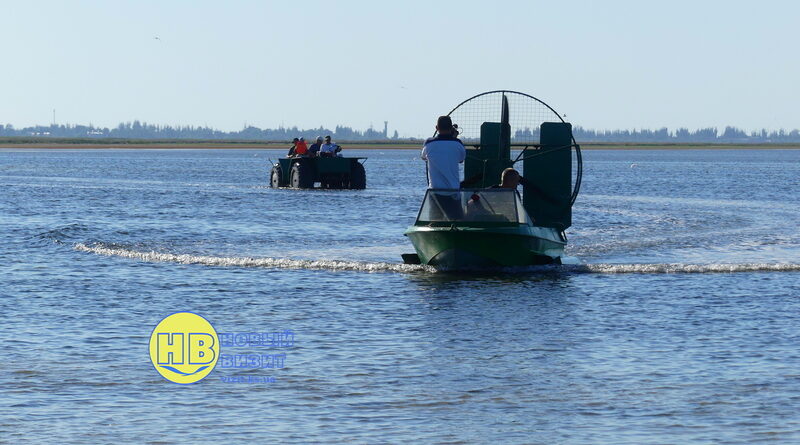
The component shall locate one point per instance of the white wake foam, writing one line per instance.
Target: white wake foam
(691, 268)
(362, 266)
(276, 263)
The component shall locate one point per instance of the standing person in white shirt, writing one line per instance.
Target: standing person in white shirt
(443, 154)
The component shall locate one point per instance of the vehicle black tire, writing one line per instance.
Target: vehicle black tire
(334, 183)
(275, 177)
(358, 176)
(301, 177)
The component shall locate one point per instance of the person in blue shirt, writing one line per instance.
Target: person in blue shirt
(329, 149)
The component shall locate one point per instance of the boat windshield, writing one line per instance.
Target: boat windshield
(494, 205)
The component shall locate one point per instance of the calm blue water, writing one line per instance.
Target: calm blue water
(683, 327)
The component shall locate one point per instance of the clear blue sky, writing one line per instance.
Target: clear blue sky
(607, 65)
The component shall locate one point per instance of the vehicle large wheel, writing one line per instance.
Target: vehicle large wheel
(358, 177)
(275, 177)
(301, 177)
(335, 182)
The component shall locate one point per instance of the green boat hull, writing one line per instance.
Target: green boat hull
(468, 246)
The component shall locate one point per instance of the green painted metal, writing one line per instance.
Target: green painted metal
(459, 246)
(320, 166)
(333, 165)
(483, 166)
(286, 166)
(488, 230)
(548, 177)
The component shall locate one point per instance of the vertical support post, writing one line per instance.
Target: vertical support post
(505, 131)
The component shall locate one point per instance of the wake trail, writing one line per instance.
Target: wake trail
(364, 266)
(276, 263)
(677, 268)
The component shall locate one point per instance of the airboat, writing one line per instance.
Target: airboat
(481, 226)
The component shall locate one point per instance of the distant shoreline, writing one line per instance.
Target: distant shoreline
(144, 144)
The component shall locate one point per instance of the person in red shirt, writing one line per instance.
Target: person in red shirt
(301, 149)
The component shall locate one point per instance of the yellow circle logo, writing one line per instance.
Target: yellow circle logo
(184, 348)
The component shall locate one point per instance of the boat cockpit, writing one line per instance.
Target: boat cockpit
(474, 207)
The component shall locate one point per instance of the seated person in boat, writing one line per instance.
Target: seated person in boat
(293, 147)
(313, 150)
(329, 149)
(301, 149)
(509, 179)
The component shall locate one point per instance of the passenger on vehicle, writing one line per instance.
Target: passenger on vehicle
(443, 153)
(329, 149)
(301, 149)
(293, 147)
(314, 149)
(509, 179)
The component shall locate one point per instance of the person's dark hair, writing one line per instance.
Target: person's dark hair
(445, 124)
(295, 140)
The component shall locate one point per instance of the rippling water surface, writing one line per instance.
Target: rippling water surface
(682, 325)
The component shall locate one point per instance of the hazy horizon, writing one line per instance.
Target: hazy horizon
(373, 128)
(146, 131)
(616, 65)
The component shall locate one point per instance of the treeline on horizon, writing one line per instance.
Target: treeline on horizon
(664, 135)
(143, 130)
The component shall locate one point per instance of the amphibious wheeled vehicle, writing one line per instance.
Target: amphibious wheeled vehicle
(328, 172)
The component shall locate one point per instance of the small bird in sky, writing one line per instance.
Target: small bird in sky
(157, 38)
